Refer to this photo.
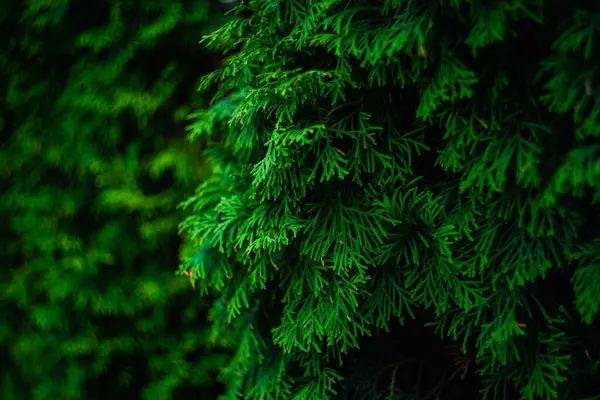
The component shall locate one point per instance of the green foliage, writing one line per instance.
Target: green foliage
(416, 162)
(93, 164)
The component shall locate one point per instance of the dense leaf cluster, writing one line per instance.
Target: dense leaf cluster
(93, 162)
(430, 162)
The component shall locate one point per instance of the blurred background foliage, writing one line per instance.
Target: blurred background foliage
(93, 162)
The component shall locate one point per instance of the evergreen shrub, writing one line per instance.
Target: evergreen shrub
(93, 162)
(405, 202)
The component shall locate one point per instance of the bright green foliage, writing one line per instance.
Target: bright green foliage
(424, 162)
(92, 166)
